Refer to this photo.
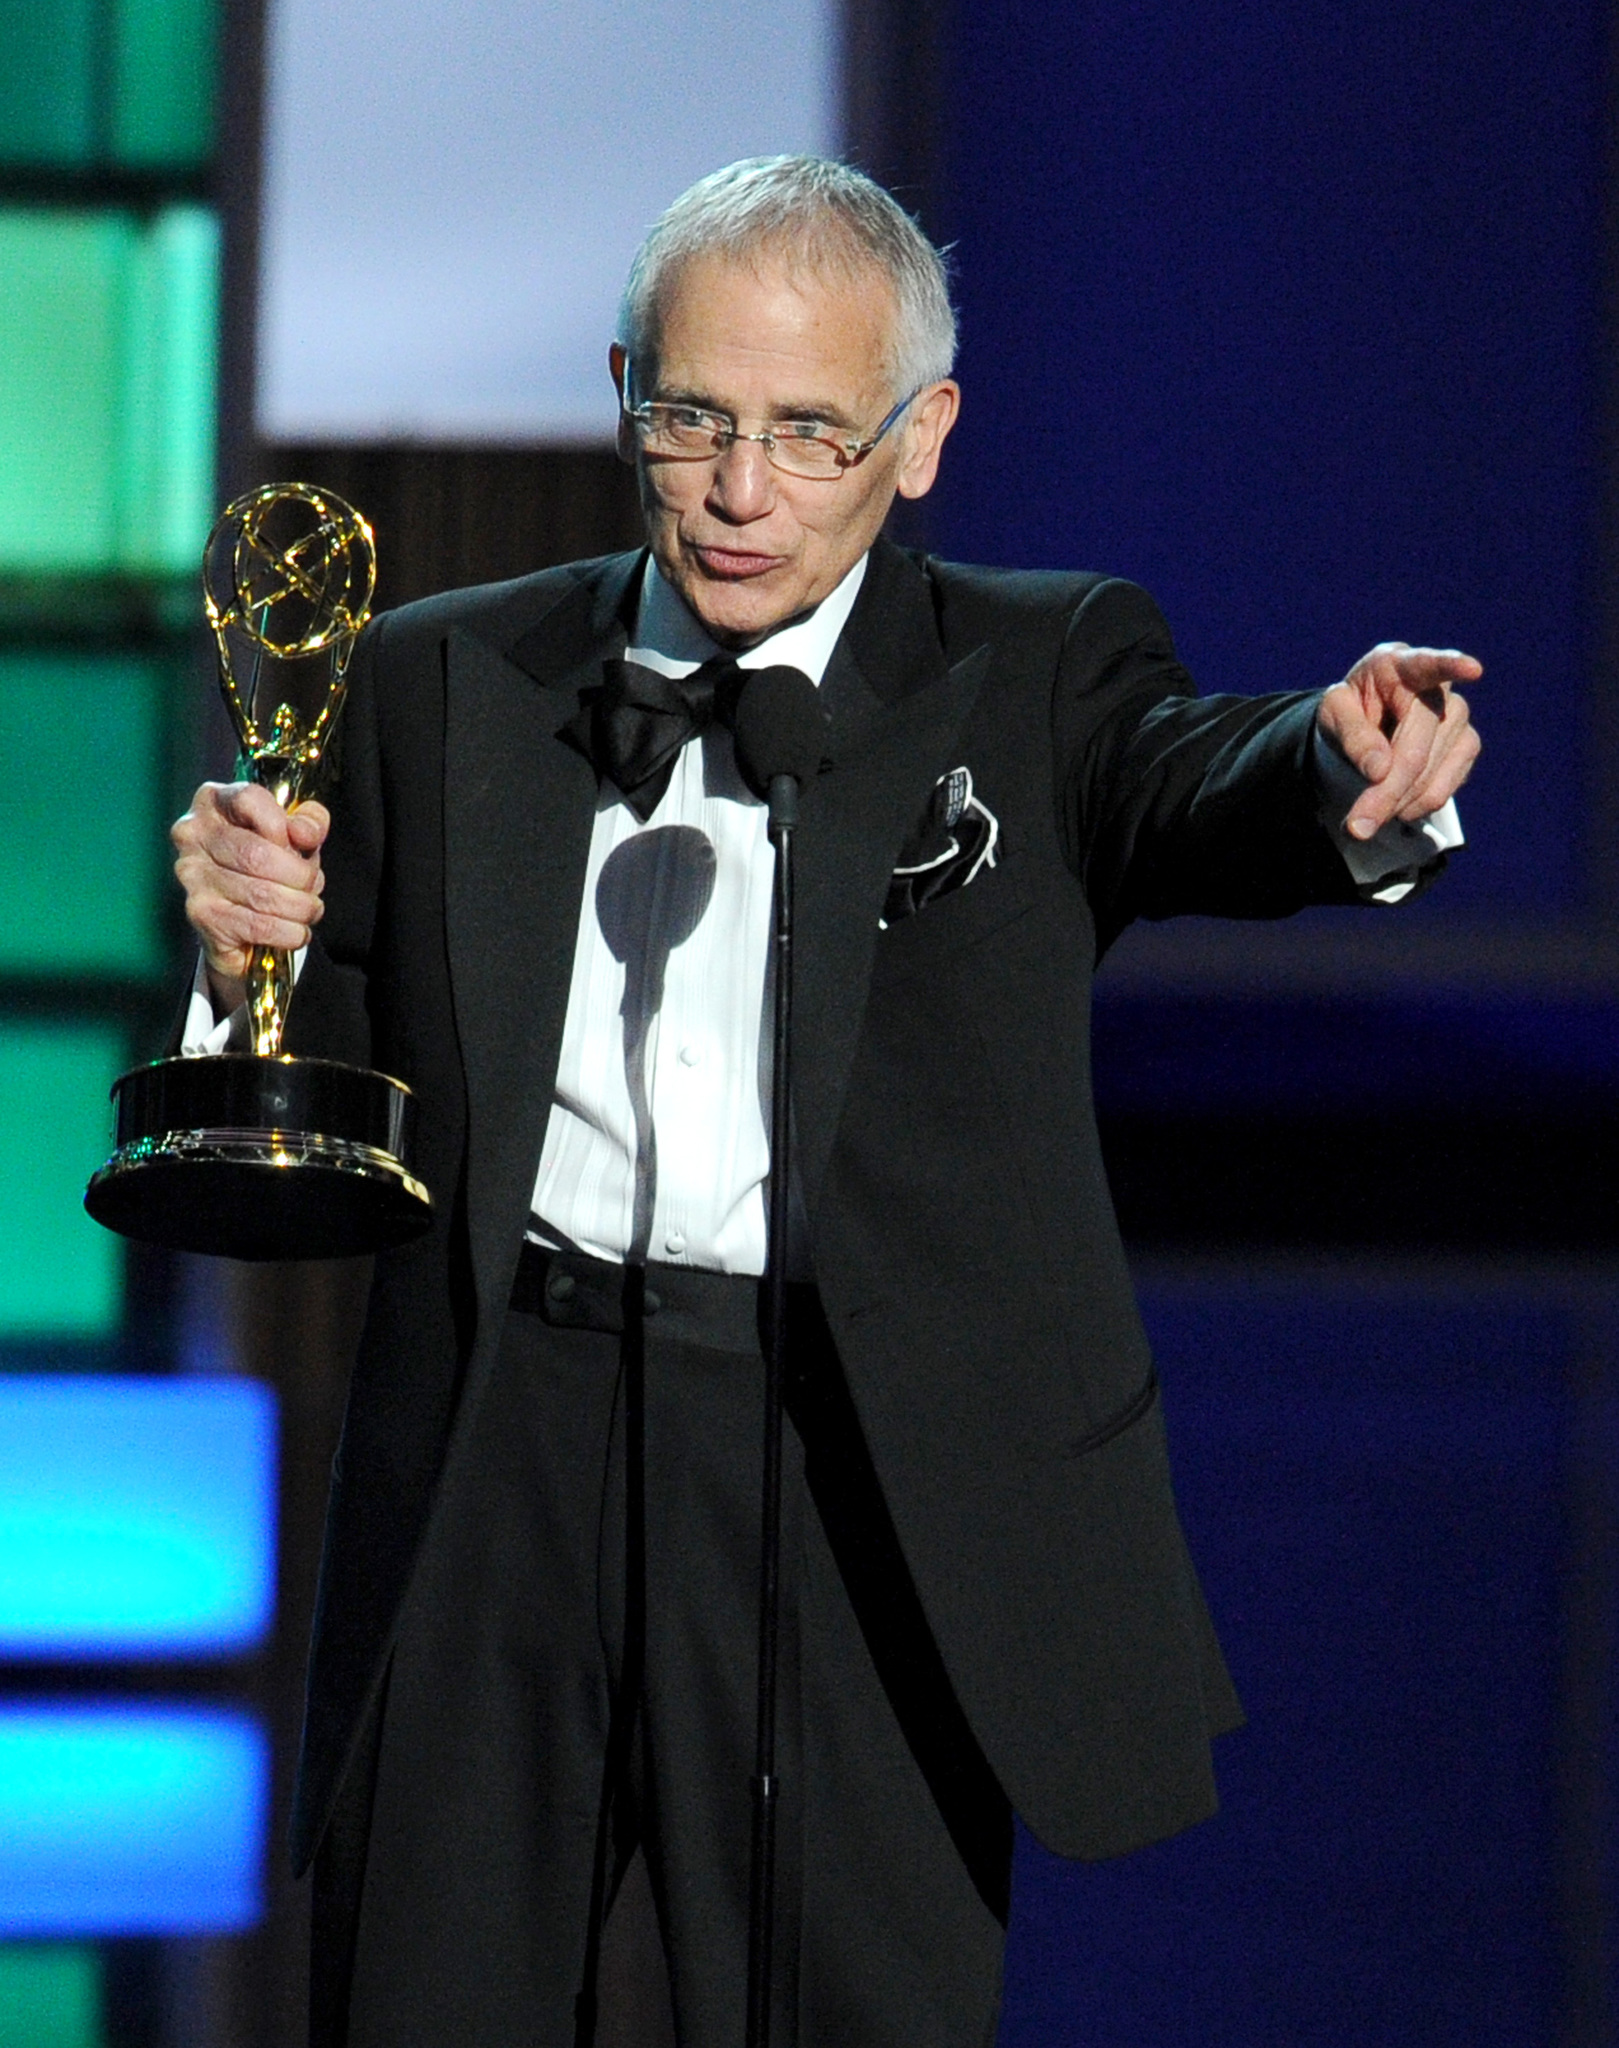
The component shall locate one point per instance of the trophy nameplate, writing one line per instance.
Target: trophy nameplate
(260, 1154)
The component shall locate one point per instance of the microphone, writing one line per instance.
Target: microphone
(780, 730)
(780, 727)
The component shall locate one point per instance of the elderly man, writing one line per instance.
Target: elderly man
(544, 902)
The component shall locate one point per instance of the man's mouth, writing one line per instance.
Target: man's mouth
(734, 564)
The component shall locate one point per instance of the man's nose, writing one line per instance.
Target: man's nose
(743, 484)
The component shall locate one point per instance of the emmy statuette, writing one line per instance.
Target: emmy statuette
(257, 1154)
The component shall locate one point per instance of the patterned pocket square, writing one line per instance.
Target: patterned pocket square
(955, 837)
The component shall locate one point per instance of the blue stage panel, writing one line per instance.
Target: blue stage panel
(1242, 321)
(1373, 1476)
(137, 1517)
(130, 1820)
(1437, 1053)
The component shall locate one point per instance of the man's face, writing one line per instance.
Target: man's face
(748, 547)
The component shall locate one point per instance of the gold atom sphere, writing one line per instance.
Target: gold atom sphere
(291, 568)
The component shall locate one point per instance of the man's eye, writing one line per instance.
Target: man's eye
(689, 416)
(801, 430)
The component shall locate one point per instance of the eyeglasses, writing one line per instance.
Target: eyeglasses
(691, 433)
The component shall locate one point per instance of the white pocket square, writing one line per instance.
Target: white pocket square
(956, 837)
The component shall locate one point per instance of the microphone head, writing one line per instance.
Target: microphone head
(780, 726)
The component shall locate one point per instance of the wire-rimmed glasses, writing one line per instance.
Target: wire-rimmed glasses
(680, 432)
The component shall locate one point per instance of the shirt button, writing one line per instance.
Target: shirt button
(690, 1055)
(675, 1242)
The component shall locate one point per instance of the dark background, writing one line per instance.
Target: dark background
(1299, 315)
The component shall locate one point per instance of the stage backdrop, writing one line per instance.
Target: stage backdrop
(1297, 315)
(451, 199)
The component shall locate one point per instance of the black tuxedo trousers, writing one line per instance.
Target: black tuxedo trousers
(966, 1258)
(895, 1843)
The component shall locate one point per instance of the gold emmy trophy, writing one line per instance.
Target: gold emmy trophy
(260, 1155)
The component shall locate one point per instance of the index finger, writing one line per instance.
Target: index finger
(255, 810)
(1429, 668)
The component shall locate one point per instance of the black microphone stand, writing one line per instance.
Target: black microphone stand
(783, 800)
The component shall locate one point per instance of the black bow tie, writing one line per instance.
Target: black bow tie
(642, 718)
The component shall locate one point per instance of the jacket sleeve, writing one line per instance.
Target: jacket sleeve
(1169, 803)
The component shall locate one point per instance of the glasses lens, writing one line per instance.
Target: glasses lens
(807, 456)
(679, 430)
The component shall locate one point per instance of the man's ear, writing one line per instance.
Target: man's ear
(618, 364)
(930, 419)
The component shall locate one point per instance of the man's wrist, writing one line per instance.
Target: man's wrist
(227, 992)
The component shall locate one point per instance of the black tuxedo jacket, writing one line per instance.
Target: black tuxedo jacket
(963, 1238)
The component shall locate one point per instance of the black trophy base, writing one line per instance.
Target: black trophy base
(254, 1158)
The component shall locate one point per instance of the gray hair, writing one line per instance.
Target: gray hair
(824, 217)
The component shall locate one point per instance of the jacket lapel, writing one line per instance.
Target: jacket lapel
(519, 801)
(897, 710)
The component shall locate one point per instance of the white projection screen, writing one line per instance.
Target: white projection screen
(453, 190)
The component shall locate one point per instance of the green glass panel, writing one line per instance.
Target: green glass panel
(50, 1997)
(108, 357)
(59, 1272)
(60, 349)
(80, 807)
(47, 82)
(166, 456)
(163, 72)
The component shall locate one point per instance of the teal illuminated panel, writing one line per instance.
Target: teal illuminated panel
(86, 84)
(108, 362)
(125, 1819)
(89, 870)
(59, 1272)
(163, 82)
(48, 54)
(170, 366)
(61, 343)
(50, 1996)
(137, 1516)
